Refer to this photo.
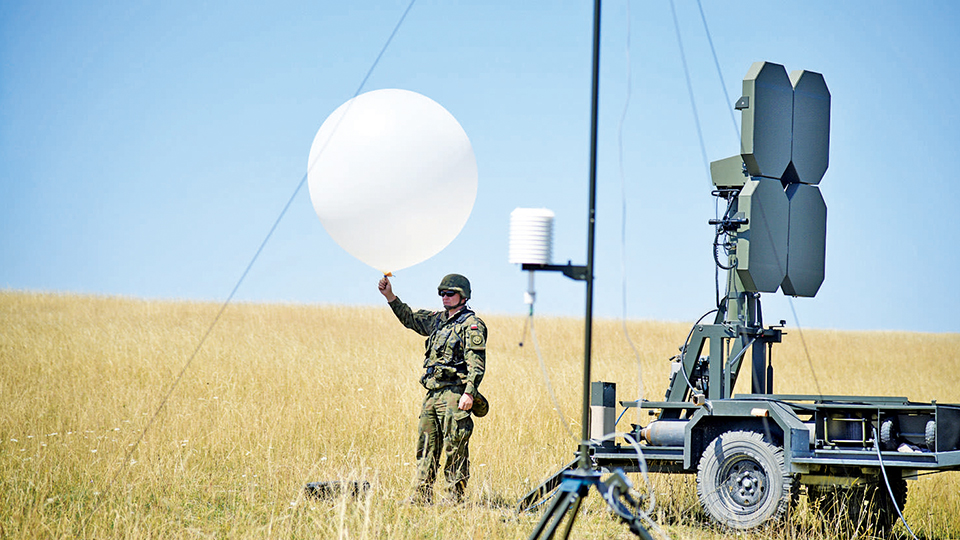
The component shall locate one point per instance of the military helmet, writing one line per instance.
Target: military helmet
(455, 282)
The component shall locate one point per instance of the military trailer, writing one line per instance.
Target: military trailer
(752, 452)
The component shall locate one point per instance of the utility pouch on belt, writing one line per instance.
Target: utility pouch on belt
(427, 375)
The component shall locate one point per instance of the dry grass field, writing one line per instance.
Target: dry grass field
(281, 395)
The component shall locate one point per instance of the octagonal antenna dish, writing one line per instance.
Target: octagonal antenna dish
(767, 120)
(811, 127)
(806, 241)
(762, 242)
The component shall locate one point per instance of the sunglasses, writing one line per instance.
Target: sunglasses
(448, 294)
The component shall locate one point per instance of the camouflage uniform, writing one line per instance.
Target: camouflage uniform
(454, 363)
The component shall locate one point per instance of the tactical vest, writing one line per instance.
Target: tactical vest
(443, 361)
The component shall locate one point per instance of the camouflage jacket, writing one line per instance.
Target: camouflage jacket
(455, 348)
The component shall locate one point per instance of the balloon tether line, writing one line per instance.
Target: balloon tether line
(216, 319)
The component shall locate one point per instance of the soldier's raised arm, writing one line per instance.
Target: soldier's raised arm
(420, 321)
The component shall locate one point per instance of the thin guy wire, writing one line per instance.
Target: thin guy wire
(623, 216)
(716, 62)
(546, 380)
(733, 119)
(693, 103)
(806, 352)
(236, 287)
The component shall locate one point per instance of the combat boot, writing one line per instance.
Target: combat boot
(422, 496)
(456, 494)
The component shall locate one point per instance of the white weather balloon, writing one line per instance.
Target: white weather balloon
(392, 178)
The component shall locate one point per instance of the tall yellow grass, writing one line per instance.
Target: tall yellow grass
(281, 395)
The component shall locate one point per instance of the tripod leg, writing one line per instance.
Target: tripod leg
(577, 499)
(554, 514)
(558, 499)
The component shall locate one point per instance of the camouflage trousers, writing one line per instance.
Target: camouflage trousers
(443, 429)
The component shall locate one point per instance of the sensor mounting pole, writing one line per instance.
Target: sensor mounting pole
(575, 484)
(591, 232)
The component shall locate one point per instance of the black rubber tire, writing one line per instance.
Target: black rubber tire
(742, 482)
(885, 513)
(866, 509)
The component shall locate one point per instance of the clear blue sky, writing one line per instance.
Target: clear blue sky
(146, 148)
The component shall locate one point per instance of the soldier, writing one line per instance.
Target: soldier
(454, 363)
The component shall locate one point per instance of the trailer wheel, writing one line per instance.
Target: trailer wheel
(888, 434)
(864, 509)
(930, 435)
(885, 514)
(742, 481)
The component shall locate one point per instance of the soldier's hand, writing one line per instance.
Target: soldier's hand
(466, 402)
(386, 289)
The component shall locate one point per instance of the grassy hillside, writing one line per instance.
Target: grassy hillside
(281, 395)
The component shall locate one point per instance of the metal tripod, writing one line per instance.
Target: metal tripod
(574, 488)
